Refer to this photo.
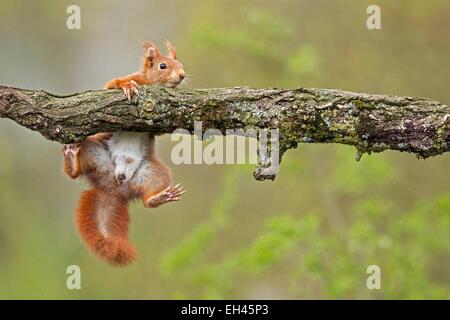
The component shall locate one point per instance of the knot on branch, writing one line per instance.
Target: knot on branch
(7, 98)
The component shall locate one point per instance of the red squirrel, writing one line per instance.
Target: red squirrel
(121, 167)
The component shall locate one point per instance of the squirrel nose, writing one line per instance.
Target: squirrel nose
(121, 177)
(181, 75)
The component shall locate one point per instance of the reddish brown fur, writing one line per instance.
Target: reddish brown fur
(159, 175)
(150, 74)
(88, 159)
(115, 248)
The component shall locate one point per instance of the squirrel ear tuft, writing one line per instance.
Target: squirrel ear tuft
(171, 49)
(152, 50)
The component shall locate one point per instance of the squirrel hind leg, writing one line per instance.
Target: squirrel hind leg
(152, 182)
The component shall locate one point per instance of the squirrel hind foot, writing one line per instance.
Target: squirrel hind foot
(71, 151)
(71, 161)
(170, 194)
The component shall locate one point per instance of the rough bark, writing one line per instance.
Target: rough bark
(371, 123)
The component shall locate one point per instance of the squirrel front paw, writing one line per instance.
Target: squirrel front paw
(128, 87)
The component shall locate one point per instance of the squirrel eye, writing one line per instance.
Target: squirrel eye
(162, 66)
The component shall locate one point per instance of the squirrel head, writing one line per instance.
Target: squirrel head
(166, 70)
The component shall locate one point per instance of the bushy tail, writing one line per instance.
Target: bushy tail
(102, 221)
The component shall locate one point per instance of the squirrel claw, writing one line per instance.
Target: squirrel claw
(127, 93)
(128, 87)
(134, 87)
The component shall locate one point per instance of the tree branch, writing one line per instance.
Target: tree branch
(371, 123)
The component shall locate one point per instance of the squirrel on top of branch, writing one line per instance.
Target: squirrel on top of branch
(123, 166)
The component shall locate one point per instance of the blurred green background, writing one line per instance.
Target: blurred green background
(310, 234)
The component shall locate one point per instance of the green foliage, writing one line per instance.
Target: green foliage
(405, 243)
(263, 38)
(371, 171)
(260, 34)
(304, 60)
(282, 233)
(194, 246)
(311, 233)
(213, 280)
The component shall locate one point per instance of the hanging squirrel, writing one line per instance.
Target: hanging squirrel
(121, 167)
